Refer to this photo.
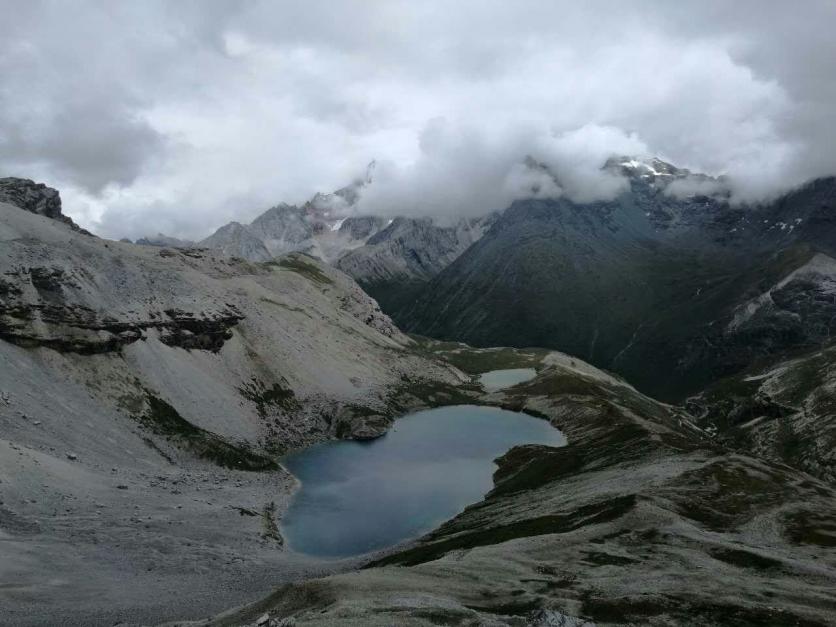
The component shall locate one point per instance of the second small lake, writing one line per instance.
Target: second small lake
(358, 497)
(500, 379)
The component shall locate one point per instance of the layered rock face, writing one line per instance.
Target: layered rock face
(85, 296)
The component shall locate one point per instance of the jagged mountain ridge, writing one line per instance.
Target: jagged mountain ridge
(384, 255)
(648, 285)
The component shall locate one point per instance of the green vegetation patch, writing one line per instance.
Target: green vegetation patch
(511, 608)
(307, 269)
(277, 395)
(269, 528)
(592, 514)
(686, 611)
(433, 394)
(531, 466)
(162, 419)
(480, 360)
(601, 558)
(745, 559)
(724, 495)
(806, 527)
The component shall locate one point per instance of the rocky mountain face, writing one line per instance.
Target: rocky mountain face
(783, 412)
(312, 228)
(325, 227)
(397, 262)
(236, 240)
(668, 284)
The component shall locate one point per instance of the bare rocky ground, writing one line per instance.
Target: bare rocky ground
(146, 393)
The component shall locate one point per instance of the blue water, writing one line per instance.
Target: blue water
(358, 497)
(499, 379)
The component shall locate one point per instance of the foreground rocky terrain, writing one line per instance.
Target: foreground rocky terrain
(642, 519)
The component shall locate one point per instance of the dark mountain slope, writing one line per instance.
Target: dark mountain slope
(672, 293)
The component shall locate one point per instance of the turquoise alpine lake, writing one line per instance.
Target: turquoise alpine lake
(357, 497)
(500, 379)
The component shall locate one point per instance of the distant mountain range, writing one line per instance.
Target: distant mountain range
(670, 284)
(392, 258)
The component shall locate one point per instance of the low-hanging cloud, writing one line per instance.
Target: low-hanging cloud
(182, 116)
(462, 171)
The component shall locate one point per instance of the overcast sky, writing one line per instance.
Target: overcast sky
(179, 116)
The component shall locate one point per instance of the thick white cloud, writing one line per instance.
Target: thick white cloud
(181, 116)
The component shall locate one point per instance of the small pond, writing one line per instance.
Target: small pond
(499, 379)
(358, 497)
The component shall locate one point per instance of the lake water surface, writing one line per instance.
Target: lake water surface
(358, 497)
(499, 379)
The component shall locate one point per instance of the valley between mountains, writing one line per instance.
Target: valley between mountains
(147, 393)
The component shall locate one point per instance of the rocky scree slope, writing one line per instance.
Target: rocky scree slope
(785, 412)
(672, 291)
(642, 519)
(145, 394)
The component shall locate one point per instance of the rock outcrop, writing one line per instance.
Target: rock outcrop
(236, 240)
(34, 197)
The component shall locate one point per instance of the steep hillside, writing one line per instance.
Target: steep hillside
(672, 292)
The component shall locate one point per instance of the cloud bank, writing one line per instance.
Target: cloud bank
(178, 117)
